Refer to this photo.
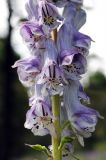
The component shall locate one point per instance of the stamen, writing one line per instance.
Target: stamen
(49, 20)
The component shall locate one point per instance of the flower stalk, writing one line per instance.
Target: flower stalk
(56, 140)
(56, 153)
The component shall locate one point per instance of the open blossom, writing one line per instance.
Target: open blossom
(51, 76)
(34, 36)
(28, 69)
(44, 12)
(83, 119)
(82, 43)
(75, 68)
(39, 117)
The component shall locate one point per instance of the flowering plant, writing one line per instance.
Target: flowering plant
(52, 75)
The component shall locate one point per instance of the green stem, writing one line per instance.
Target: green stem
(56, 140)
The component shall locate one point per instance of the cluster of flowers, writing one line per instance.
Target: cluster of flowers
(56, 68)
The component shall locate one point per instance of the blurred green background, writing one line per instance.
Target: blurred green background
(14, 104)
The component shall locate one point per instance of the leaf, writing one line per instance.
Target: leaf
(40, 148)
(65, 140)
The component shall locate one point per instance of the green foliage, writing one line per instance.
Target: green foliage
(66, 140)
(40, 148)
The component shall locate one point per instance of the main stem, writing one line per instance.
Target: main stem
(56, 114)
(56, 140)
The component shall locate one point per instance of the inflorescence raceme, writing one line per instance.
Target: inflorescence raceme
(55, 68)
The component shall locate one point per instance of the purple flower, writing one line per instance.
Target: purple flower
(51, 75)
(74, 66)
(83, 119)
(52, 78)
(39, 118)
(82, 43)
(72, 42)
(28, 69)
(34, 35)
(71, 61)
(44, 12)
(65, 41)
(33, 123)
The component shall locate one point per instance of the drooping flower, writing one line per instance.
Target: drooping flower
(33, 123)
(71, 61)
(35, 36)
(82, 43)
(44, 12)
(51, 75)
(39, 117)
(52, 78)
(72, 42)
(74, 66)
(83, 119)
(28, 69)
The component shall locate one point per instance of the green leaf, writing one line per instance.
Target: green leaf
(65, 140)
(40, 148)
